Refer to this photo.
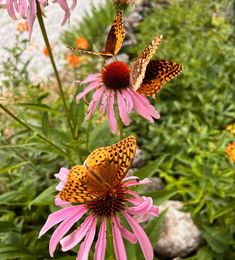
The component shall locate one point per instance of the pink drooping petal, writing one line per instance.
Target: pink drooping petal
(144, 242)
(59, 216)
(64, 5)
(147, 104)
(100, 246)
(74, 3)
(142, 208)
(126, 233)
(63, 228)
(86, 244)
(62, 176)
(122, 109)
(77, 235)
(154, 212)
(104, 101)
(129, 102)
(22, 8)
(118, 244)
(92, 77)
(10, 9)
(31, 16)
(94, 103)
(140, 108)
(90, 87)
(137, 182)
(61, 203)
(111, 114)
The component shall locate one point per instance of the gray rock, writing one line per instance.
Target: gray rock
(179, 235)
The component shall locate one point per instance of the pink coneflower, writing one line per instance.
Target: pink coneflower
(114, 83)
(27, 9)
(105, 196)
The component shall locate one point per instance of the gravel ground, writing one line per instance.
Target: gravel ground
(40, 67)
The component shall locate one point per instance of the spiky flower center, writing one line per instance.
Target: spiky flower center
(108, 204)
(116, 75)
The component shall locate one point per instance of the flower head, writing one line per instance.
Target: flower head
(103, 193)
(27, 9)
(73, 60)
(113, 83)
(230, 150)
(82, 43)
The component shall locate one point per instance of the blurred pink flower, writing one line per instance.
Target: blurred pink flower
(101, 209)
(114, 82)
(27, 9)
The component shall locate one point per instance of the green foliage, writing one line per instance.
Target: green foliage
(186, 147)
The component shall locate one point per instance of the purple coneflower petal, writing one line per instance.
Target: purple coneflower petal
(122, 109)
(91, 77)
(94, 103)
(146, 103)
(139, 107)
(74, 3)
(142, 208)
(118, 244)
(141, 236)
(129, 102)
(90, 87)
(137, 182)
(77, 235)
(63, 228)
(62, 176)
(22, 8)
(63, 4)
(100, 246)
(32, 10)
(10, 9)
(104, 101)
(61, 203)
(59, 216)
(86, 244)
(111, 113)
(126, 233)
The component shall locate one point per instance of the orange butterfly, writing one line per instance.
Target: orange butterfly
(114, 40)
(148, 76)
(103, 169)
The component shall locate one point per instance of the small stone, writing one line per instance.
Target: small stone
(179, 235)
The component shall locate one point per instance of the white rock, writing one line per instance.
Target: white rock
(179, 235)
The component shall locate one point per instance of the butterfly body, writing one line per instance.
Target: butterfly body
(103, 170)
(114, 40)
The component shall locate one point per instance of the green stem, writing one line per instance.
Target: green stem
(44, 34)
(110, 255)
(28, 127)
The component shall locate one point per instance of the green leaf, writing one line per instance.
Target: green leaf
(218, 240)
(45, 198)
(45, 123)
(12, 167)
(13, 252)
(161, 196)
(225, 210)
(153, 228)
(150, 169)
(6, 226)
(37, 107)
(100, 136)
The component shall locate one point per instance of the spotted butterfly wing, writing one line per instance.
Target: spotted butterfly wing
(114, 40)
(138, 69)
(158, 73)
(103, 169)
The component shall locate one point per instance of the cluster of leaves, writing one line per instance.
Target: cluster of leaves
(195, 110)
